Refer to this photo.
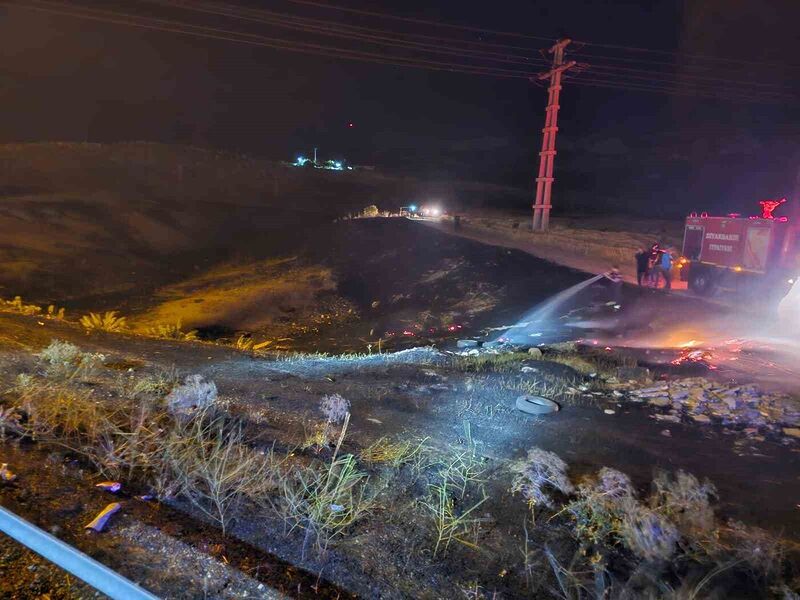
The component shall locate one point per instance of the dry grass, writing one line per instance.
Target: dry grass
(172, 331)
(325, 500)
(209, 463)
(394, 454)
(502, 362)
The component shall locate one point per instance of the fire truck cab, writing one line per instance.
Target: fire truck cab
(741, 254)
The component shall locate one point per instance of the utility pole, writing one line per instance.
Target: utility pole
(544, 182)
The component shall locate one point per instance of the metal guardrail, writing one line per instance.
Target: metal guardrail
(70, 559)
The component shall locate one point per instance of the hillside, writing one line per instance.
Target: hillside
(94, 224)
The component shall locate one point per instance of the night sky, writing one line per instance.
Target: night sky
(63, 78)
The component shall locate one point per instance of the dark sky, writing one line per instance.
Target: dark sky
(66, 79)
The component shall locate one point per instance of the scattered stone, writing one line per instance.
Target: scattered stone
(666, 433)
(701, 418)
(527, 369)
(609, 411)
(660, 401)
(670, 418)
(792, 431)
(535, 352)
(536, 405)
(561, 347)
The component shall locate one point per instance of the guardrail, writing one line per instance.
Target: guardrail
(97, 575)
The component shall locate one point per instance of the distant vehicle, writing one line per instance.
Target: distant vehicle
(741, 254)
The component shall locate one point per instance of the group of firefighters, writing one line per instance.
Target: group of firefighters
(652, 265)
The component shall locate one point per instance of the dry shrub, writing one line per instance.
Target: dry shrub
(172, 331)
(64, 361)
(107, 321)
(325, 499)
(685, 501)
(210, 464)
(194, 393)
(538, 475)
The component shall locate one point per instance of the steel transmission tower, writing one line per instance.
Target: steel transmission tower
(544, 182)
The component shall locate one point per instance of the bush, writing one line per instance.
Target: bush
(63, 360)
(541, 472)
(325, 500)
(685, 501)
(172, 332)
(210, 464)
(108, 321)
(335, 408)
(371, 211)
(195, 393)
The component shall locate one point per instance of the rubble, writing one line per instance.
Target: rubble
(731, 405)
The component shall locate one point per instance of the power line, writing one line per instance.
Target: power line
(328, 28)
(183, 28)
(172, 26)
(635, 49)
(356, 28)
(693, 79)
(289, 22)
(419, 21)
(672, 91)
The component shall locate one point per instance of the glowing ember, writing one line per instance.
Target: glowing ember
(688, 356)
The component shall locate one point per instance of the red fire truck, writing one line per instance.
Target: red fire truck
(734, 253)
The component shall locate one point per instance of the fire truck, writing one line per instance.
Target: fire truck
(759, 255)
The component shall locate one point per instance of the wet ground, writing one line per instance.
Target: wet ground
(419, 395)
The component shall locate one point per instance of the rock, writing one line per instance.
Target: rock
(792, 431)
(666, 433)
(608, 411)
(670, 418)
(562, 347)
(536, 405)
(468, 344)
(660, 401)
(701, 418)
(535, 352)
(527, 369)
(633, 373)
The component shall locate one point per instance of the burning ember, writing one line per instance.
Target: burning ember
(688, 355)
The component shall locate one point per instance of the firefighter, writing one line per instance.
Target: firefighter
(615, 286)
(652, 265)
(642, 265)
(665, 268)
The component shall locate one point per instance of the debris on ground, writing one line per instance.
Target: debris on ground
(102, 518)
(536, 405)
(109, 486)
(731, 405)
(6, 475)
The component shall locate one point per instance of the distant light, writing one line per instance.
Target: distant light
(435, 212)
(350, 125)
(301, 160)
(791, 281)
(737, 268)
(413, 208)
(337, 165)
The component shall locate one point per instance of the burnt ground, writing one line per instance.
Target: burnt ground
(412, 396)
